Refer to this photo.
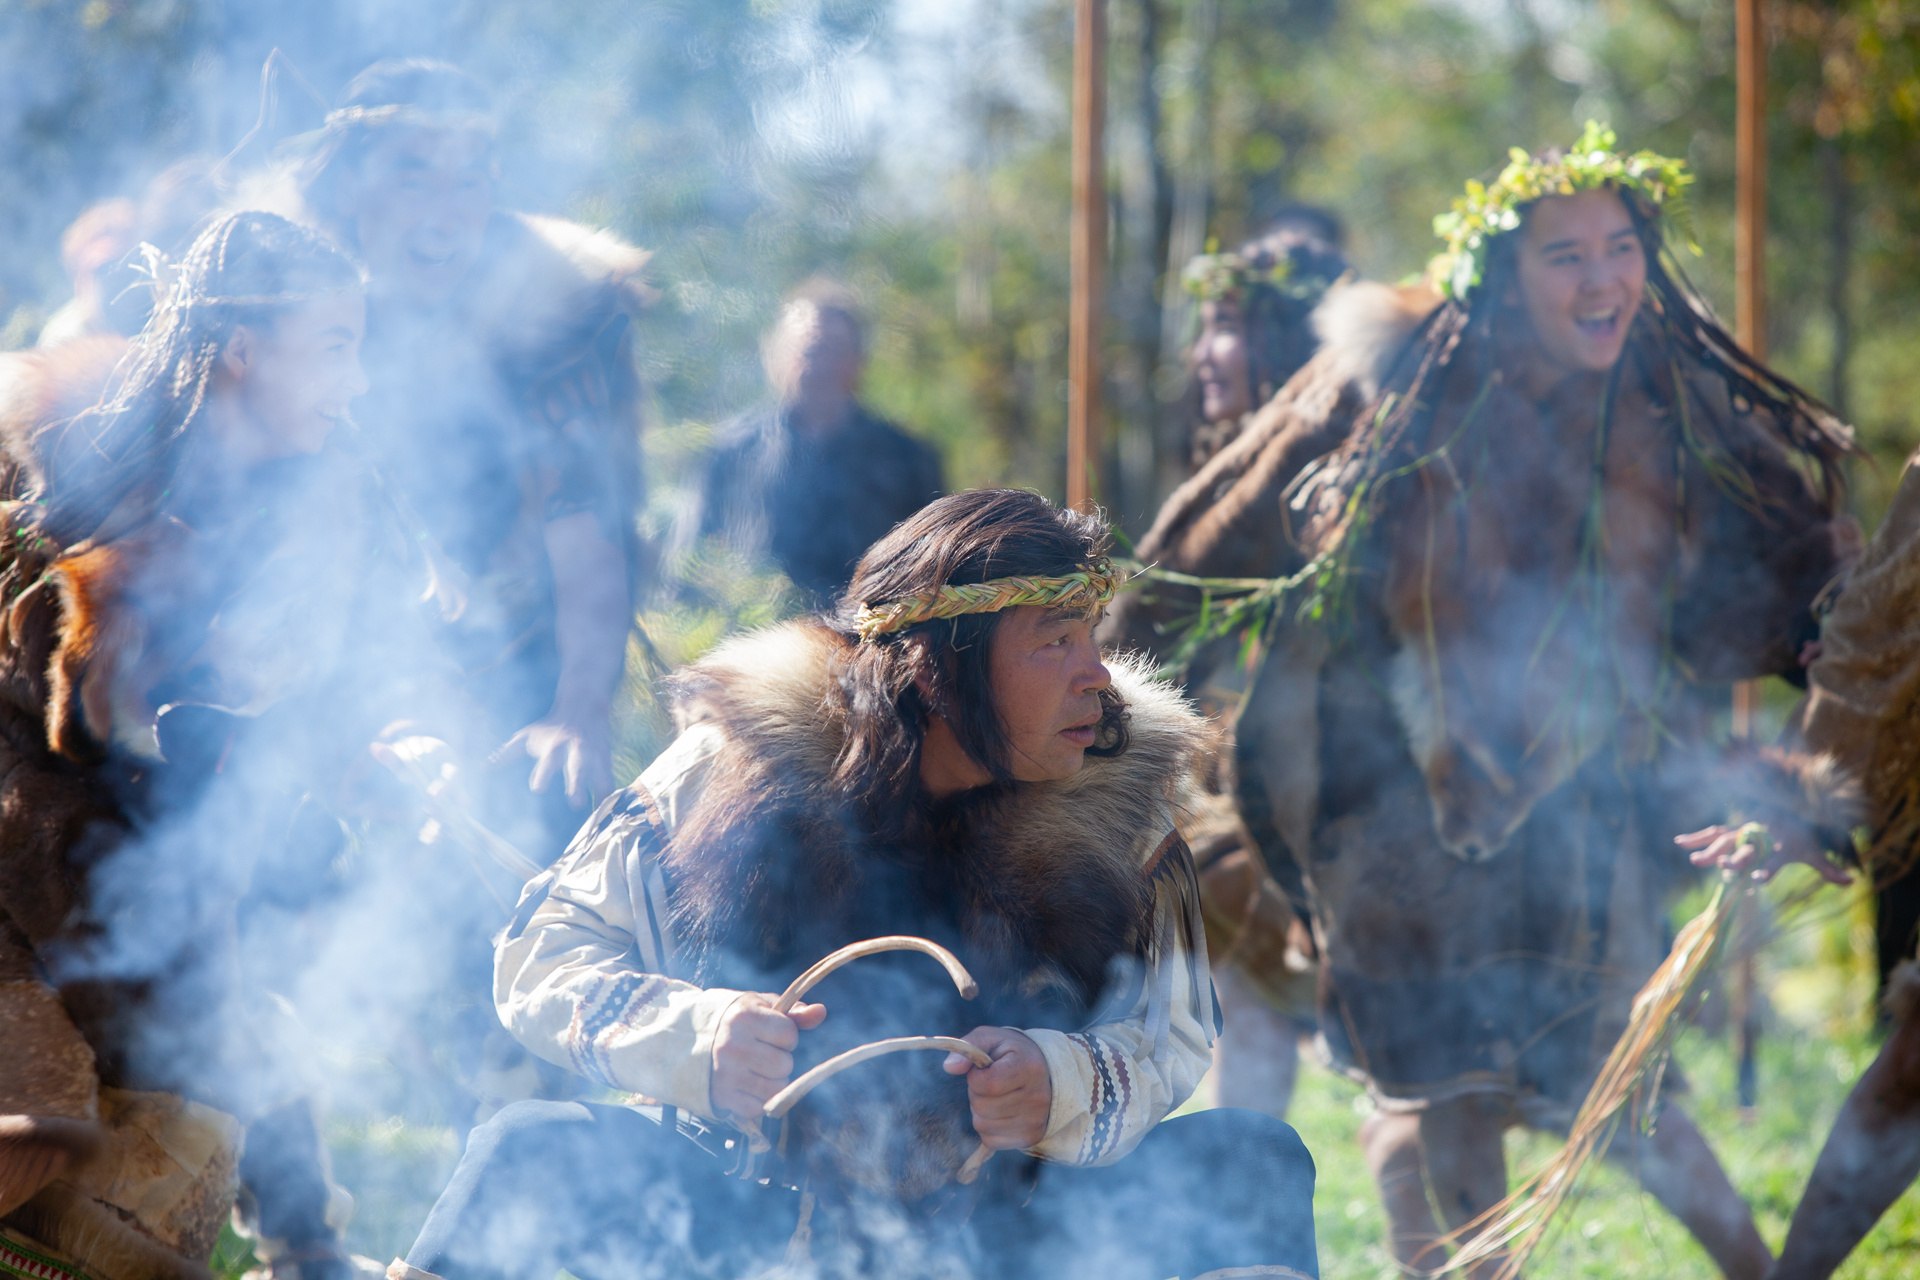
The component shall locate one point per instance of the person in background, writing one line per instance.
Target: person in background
(814, 479)
(101, 236)
(1256, 319)
(506, 407)
(1256, 330)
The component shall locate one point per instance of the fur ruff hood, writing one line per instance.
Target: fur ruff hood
(1056, 879)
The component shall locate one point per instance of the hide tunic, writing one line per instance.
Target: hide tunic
(1478, 749)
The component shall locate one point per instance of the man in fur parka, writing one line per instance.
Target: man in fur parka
(946, 757)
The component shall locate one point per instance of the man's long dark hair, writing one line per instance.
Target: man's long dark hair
(893, 686)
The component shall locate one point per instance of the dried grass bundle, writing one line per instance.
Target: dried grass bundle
(1630, 1076)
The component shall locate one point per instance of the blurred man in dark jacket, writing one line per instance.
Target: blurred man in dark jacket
(815, 479)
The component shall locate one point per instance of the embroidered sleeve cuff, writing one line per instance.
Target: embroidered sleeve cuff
(673, 1061)
(1068, 1075)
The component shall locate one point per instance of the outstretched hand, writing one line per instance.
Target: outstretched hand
(581, 753)
(753, 1052)
(1012, 1100)
(1722, 847)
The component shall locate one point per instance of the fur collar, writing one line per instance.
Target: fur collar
(1365, 325)
(1054, 877)
(41, 390)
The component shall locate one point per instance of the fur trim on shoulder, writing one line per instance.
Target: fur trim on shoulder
(105, 664)
(1367, 324)
(597, 254)
(99, 638)
(774, 686)
(545, 289)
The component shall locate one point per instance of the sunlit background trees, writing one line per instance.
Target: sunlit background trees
(918, 149)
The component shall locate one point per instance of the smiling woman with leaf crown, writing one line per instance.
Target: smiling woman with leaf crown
(1543, 512)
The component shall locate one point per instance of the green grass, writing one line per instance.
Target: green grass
(1817, 974)
(1613, 1229)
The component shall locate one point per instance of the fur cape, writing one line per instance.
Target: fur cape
(1046, 891)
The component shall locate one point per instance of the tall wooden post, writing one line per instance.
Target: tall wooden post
(1089, 252)
(1750, 180)
(1749, 231)
(1750, 330)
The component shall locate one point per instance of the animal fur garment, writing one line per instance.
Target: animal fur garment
(735, 862)
(1039, 888)
(229, 611)
(1530, 602)
(1047, 871)
(115, 1203)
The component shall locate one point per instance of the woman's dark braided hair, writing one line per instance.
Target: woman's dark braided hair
(1279, 319)
(245, 269)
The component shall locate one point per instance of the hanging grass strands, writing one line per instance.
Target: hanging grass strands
(1512, 1229)
(1227, 606)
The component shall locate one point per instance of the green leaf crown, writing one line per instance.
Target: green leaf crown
(1490, 210)
(1210, 277)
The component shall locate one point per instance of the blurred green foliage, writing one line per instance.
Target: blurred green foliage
(752, 143)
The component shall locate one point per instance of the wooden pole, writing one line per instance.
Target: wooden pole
(1749, 232)
(1089, 252)
(1750, 330)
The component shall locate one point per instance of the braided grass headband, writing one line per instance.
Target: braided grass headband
(1089, 589)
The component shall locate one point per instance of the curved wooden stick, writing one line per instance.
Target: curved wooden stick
(782, 1102)
(756, 1138)
(975, 1162)
(874, 946)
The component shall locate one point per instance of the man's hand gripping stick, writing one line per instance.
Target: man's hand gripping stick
(784, 1101)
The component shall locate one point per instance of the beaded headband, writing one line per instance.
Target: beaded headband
(1088, 589)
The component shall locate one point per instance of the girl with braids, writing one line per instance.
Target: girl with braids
(1552, 511)
(185, 562)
